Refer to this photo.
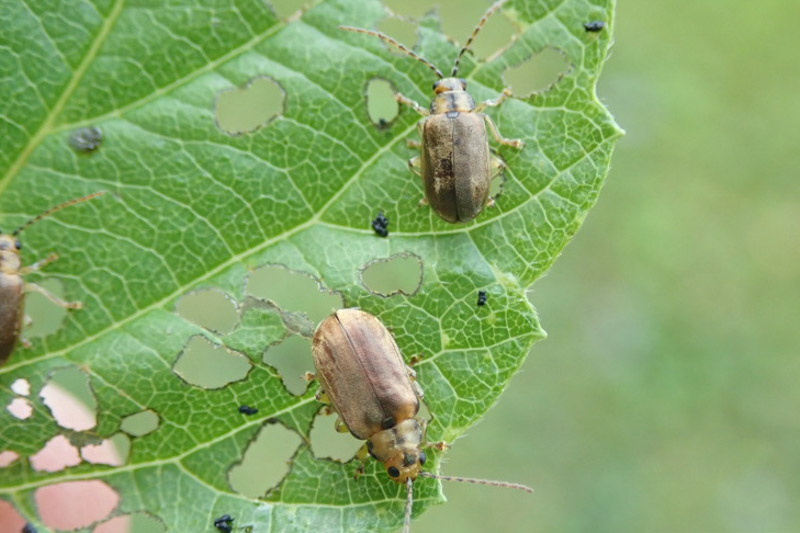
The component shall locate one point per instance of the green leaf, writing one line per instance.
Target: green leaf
(192, 208)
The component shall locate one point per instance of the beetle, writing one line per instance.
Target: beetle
(363, 377)
(13, 287)
(455, 162)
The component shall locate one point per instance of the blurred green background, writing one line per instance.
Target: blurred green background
(667, 396)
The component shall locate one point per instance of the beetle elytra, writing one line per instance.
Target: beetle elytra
(12, 286)
(364, 378)
(455, 162)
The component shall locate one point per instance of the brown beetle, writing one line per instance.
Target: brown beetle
(13, 287)
(363, 376)
(455, 161)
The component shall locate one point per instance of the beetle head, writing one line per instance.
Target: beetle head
(9, 253)
(449, 84)
(405, 465)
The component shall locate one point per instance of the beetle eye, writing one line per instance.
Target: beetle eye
(17, 244)
(393, 471)
(463, 83)
(436, 84)
(422, 458)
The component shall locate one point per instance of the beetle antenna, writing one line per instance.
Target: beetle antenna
(385, 38)
(489, 12)
(59, 207)
(409, 502)
(491, 482)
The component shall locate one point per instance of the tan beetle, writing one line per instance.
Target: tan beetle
(362, 375)
(455, 162)
(13, 287)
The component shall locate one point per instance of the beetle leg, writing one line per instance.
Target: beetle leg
(418, 390)
(309, 377)
(52, 297)
(441, 445)
(24, 342)
(415, 166)
(423, 201)
(514, 143)
(411, 143)
(38, 265)
(322, 397)
(363, 456)
(493, 103)
(340, 426)
(497, 167)
(415, 359)
(412, 104)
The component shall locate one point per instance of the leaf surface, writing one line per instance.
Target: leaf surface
(193, 208)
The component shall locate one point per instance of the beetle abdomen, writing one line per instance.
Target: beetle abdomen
(11, 312)
(361, 370)
(456, 165)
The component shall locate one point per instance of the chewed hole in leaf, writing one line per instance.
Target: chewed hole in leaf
(497, 184)
(285, 8)
(494, 37)
(21, 386)
(399, 274)
(112, 451)
(537, 73)
(57, 454)
(211, 309)
(250, 107)
(46, 317)
(75, 504)
(7, 457)
(131, 523)
(292, 359)
(381, 105)
(210, 366)
(327, 443)
(294, 291)
(402, 30)
(20, 408)
(10, 519)
(140, 424)
(266, 461)
(70, 399)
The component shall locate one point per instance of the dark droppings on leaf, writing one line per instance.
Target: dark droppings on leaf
(594, 26)
(28, 528)
(223, 523)
(481, 297)
(86, 139)
(381, 224)
(247, 410)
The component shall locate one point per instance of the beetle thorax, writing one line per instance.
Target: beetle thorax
(9, 254)
(398, 448)
(451, 96)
